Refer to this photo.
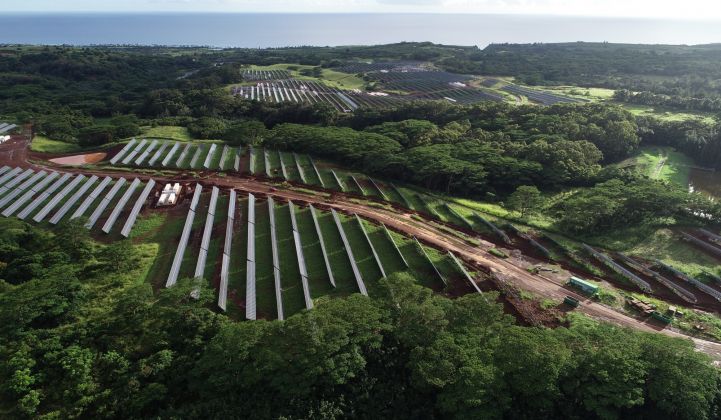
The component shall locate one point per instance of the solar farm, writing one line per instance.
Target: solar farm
(111, 205)
(272, 258)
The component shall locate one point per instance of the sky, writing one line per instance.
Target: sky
(671, 9)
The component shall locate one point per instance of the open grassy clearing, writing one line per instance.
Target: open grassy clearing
(662, 163)
(293, 299)
(169, 132)
(43, 144)
(666, 114)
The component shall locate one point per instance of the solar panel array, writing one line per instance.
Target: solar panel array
(10, 210)
(276, 260)
(209, 157)
(43, 196)
(464, 272)
(395, 245)
(85, 205)
(40, 216)
(301, 258)
(266, 157)
(225, 264)
(158, 153)
(322, 244)
(74, 199)
(120, 205)
(129, 158)
(224, 157)
(12, 194)
(207, 232)
(250, 301)
(317, 172)
(139, 203)
(104, 203)
(123, 151)
(196, 156)
(349, 252)
(428, 258)
(171, 153)
(183, 243)
(283, 169)
(183, 155)
(144, 155)
(370, 244)
(301, 172)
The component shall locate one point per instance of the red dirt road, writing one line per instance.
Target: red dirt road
(512, 272)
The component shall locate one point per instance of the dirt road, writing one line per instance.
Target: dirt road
(512, 271)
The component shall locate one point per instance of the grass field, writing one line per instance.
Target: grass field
(169, 132)
(43, 144)
(666, 114)
(662, 163)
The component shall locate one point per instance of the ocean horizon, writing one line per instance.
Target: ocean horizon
(262, 30)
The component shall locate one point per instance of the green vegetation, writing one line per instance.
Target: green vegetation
(45, 145)
(167, 132)
(59, 303)
(663, 163)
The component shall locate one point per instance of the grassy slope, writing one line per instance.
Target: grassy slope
(167, 132)
(45, 145)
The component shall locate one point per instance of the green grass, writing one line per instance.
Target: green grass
(317, 273)
(663, 245)
(339, 262)
(290, 167)
(265, 282)
(169, 132)
(293, 298)
(666, 114)
(361, 251)
(662, 163)
(43, 144)
(238, 260)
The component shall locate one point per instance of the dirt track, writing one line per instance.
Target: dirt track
(512, 272)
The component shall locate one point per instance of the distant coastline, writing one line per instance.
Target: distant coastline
(280, 30)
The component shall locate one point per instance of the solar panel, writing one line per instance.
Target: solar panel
(225, 264)
(196, 156)
(43, 196)
(370, 244)
(276, 260)
(130, 221)
(395, 245)
(223, 157)
(119, 206)
(250, 309)
(158, 153)
(301, 258)
(7, 128)
(44, 181)
(4, 169)
(301, 172)
(337, 180)
(171, 153)
(349, 252)
(317, 172)
(139, 161)
(104, 203)
(183, 155)
(207, 232)
(11, 195)
(122, 152)
(209, 157)
(58, 197)
(129, 158)
(283, 169)
(15, 181)
(465, 273)
(428, 258)
(74, 199)
(266, 158)
(92, 197)
(322, 244)
(183, 243)
(8, 176)
(236, 163)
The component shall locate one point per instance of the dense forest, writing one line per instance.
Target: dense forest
(81, 337)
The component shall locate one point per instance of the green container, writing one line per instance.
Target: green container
(661, 317)
(583, 285)
(570, 301)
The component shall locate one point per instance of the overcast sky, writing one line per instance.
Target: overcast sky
(676, 9)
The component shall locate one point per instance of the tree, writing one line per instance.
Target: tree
(526, 199)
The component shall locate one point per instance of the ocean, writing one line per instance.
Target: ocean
(281, 30)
